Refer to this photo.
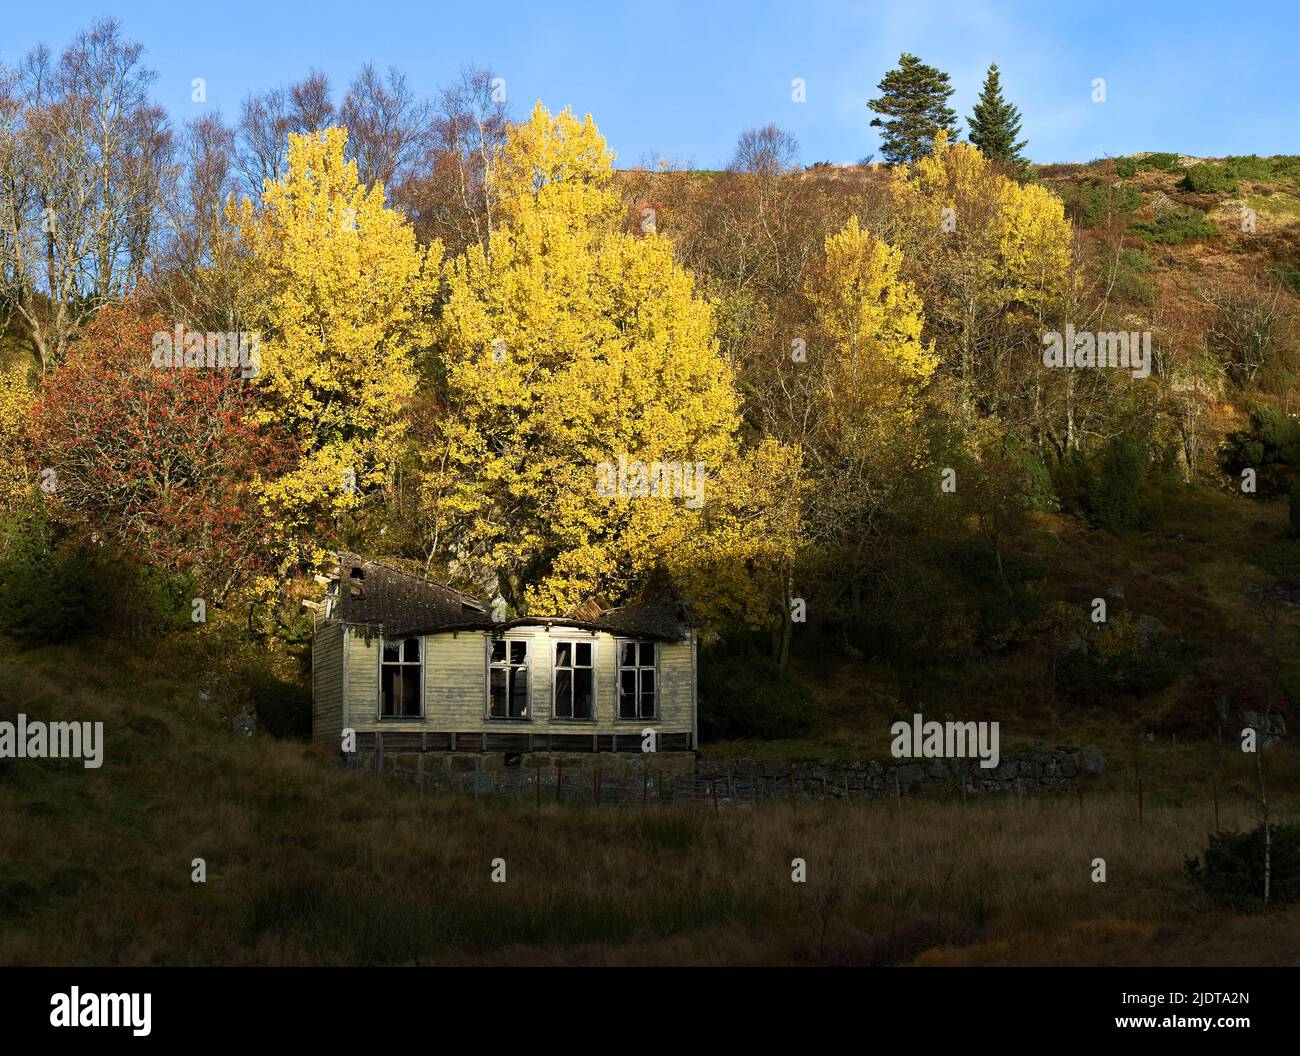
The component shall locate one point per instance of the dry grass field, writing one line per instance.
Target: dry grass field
(308, 864)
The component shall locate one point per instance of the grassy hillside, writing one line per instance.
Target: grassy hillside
(310, 864)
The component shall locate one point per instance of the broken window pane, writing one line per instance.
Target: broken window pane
(497, 693)
(563, 693)
(647, 693)
(583, 701)
(519, 693)
(627, 695)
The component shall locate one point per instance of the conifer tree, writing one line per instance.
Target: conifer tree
(995, 123)
(914, 108)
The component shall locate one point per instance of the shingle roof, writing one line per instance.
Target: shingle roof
(379, 596)
(373, 594)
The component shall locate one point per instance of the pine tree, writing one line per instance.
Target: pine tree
(995, 123)
(914, 101)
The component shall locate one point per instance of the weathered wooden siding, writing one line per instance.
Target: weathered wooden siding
(455, 685)
(327, 683)
(363, 679)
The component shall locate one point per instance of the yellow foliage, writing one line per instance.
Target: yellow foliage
(16, 399)
(568, 343)
(342, 299)
(985, 252)
(740, 571)
(1036, 250)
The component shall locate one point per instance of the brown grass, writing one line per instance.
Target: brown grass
(311, 865)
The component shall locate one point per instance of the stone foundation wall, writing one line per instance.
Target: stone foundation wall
(438, 765)
(1056, 770)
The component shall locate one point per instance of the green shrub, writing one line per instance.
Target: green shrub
(1126, 168)
(1039, 491)
(746, 694)
(1175, 227)
(1203, 178)
(1232, 873)
(47, 595)
(1094, 202)
(1130, 270)
(1289, 274)
(1271, 447)
(1249, 167)
(1281, 168)
(1115, 499)
(1279, 433)
(1162, 161)
(1121, 659)
(1072, 481)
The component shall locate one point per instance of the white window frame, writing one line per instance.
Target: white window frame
(401, 641)
(526, 667)
(620, 667)
(573, 643)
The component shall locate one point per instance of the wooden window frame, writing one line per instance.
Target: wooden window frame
(401, 642)
(526, 667)
(573, 643)
(620, 667)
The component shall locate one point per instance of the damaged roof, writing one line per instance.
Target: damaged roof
(381, 597)
(376, 595)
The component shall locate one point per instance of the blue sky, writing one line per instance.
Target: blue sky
(684, 79)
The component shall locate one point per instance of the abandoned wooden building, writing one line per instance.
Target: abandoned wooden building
(428, 669)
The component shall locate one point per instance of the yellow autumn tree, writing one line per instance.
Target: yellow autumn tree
(341, 297)
(988, 258)
(745, 570)
(873, 369)
(1036, 253)
(16, 399)
(573, 354)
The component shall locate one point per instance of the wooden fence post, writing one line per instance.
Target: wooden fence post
(379, 755)
(559, 779)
